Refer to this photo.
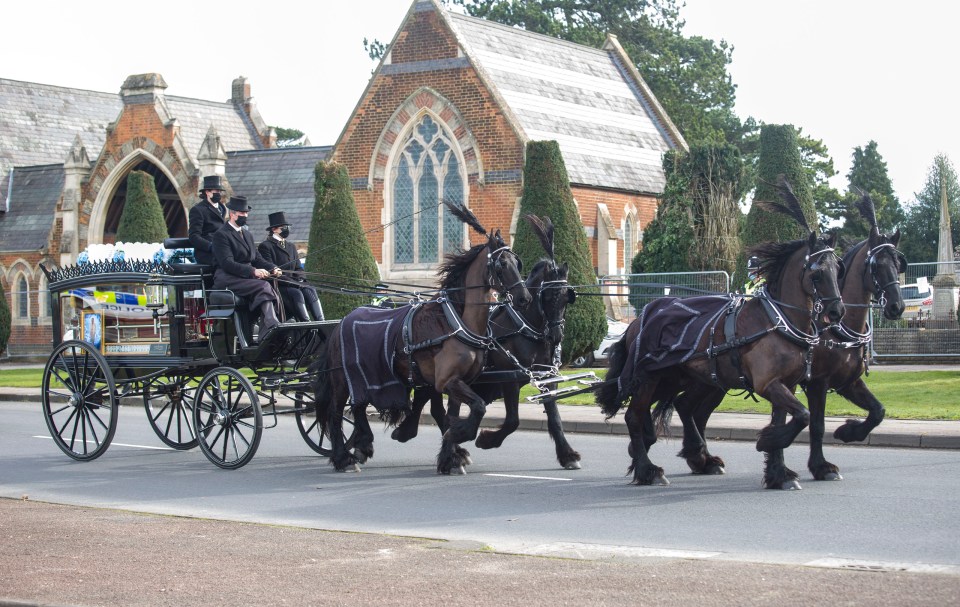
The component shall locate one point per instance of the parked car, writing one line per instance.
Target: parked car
(615, 330)
(917, 300)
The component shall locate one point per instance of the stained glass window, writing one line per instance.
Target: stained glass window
(425, 173)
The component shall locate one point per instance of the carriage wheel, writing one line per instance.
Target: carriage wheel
(79, 400)
(169, 405)
(227, 418)
(316, 437)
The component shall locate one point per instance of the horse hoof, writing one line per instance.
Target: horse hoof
(832, 476)
(354, 468)
(467, 460)
(462, 471)
(791, 485)
(661, 481)
(574, 465)
(715, 470)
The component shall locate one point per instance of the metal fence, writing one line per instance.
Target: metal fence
(919, 335)
(628, 293)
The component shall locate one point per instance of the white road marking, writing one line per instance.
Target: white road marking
(123, 445)
(536, 478)
(836, 563)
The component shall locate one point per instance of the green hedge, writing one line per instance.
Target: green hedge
(142, 218)
(546, 193)
(4, 320)
(338, 248)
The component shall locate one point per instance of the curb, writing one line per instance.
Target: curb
(734, 429)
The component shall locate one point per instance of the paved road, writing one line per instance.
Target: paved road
(722, 540)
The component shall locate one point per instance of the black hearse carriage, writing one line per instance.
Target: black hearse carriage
(155, 329)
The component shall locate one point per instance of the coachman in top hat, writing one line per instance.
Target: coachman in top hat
(298, 296)
(241, 268)
(205, 218)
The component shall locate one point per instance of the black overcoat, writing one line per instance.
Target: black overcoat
(283, 256)
(205, 221)
(237, 257)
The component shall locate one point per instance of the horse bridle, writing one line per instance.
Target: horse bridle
(880, 291)
(812, 264)
(496, 273)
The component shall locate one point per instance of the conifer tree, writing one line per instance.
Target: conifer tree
(4, 320)
(338, 248)
(779, 154)
(142, 218)
(868, 174)
(546, 192)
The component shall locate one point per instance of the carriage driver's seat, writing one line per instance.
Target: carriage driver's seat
(224, 305)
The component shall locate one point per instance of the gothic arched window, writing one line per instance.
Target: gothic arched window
(628, 244)
(426, 171)
(23, 298)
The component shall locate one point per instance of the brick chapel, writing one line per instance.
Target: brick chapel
(445, 115)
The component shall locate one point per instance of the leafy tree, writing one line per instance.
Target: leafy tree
(779, 154)
(338, 248)
(868, 173)
(688, 75)
(4, 320)
(921, 229)
(142, 218)
(546, 192)
(285, 133)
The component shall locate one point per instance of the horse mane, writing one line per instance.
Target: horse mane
(852, 251)
(453, 273)
(773, 257)
(790, 206)
(537, 274)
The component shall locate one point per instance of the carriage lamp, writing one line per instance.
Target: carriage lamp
(153, 289)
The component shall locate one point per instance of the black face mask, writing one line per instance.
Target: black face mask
(215, 198)
(284, 232)
(241, 221)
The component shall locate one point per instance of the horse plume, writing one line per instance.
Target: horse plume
(463, 214)
(867, 209)
(543, 228)
(790, 205)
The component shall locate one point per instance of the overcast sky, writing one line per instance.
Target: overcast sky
(846, 71)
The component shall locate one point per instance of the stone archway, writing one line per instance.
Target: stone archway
(173, 212)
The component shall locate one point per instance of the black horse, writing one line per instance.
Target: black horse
(439, 347)
(528, 337)
(873, 268)
(756, 344)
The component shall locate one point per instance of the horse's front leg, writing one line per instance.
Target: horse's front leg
(568, 457)
(460, 430)
(492, 439)
(445, 417)
(819, 467)
(860, 395)
(777, 436)
(340, 457)
(408, 428)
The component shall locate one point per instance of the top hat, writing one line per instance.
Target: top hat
(239, 203)
(212, 182)
(276, 220)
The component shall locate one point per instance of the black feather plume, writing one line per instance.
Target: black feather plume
(463, 214)
(867, 210)
(543, 228)
(790, 205)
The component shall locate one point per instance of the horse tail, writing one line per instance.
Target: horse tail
(320, 377)
(662, 414)
(608, 393)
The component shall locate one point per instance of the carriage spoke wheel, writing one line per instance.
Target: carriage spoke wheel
(79, 400)
(227, 418)
(169, 405)
(318, 438)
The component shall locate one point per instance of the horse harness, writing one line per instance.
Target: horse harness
(779, 322)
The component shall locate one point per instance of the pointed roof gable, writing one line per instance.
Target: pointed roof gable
(610, 128)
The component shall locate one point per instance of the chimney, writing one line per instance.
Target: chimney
(142, 89)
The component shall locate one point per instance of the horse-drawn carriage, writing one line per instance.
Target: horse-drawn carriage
(154, 329)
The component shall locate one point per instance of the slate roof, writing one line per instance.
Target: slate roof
(39, 122)
(584, 98)
(33, 203)
(277, 180)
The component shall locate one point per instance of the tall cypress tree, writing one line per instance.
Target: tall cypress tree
(868, 173)
(4, 320)
(338, 248)
(142, 218)
(779, 154)
(546, 192)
